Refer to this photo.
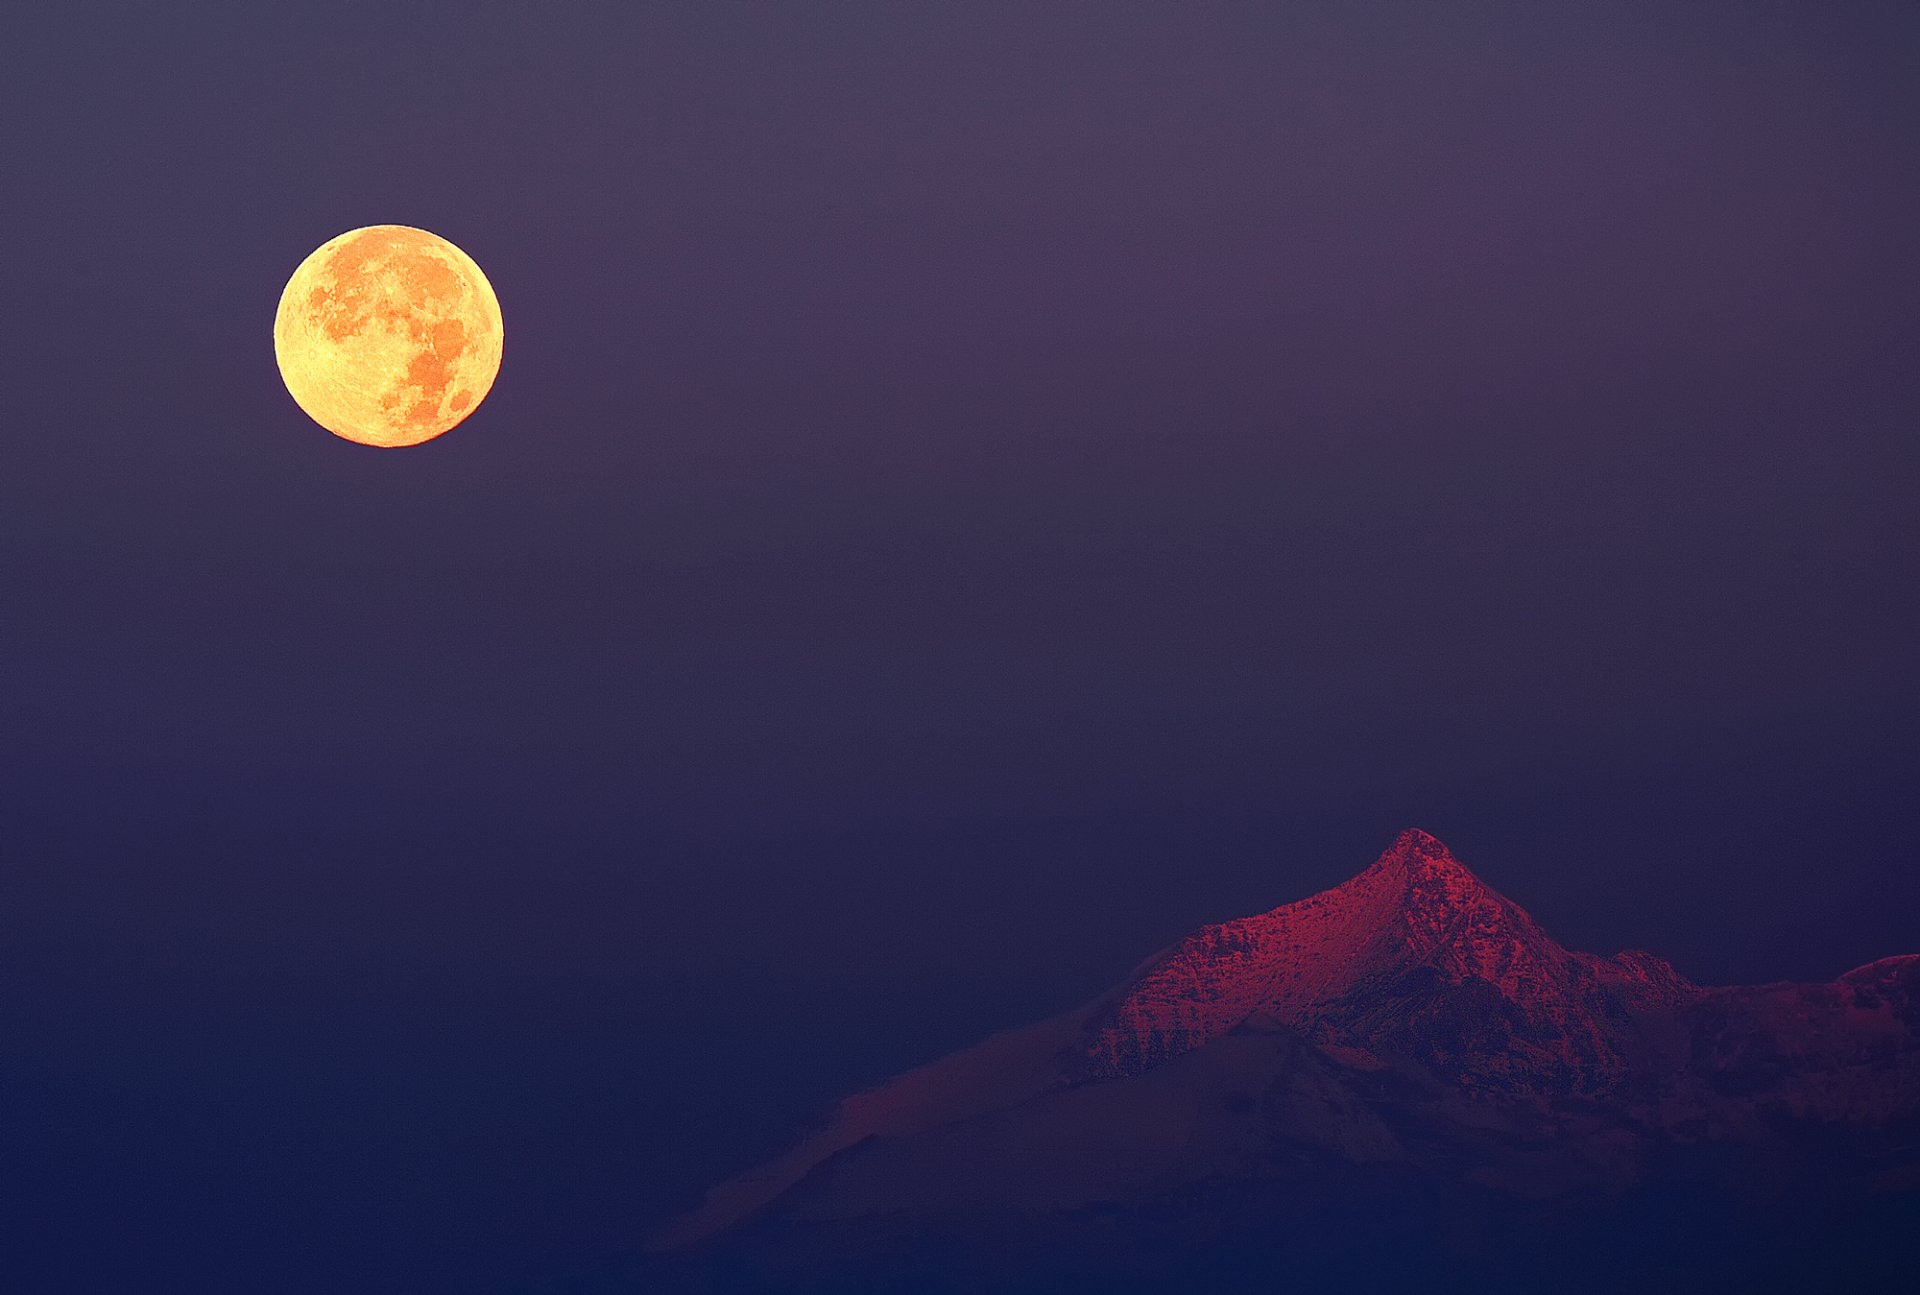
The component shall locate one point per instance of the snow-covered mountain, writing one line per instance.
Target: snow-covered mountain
(1412, 1027)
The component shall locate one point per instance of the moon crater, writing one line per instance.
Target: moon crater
(388, 335)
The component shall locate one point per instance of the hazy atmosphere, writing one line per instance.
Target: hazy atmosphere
(973, 491)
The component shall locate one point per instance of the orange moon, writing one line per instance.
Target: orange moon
(388, 335)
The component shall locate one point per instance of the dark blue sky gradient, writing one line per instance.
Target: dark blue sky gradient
(974, 490)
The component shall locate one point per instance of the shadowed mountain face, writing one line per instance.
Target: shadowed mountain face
(1410, 1046)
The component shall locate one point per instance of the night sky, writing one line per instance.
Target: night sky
(974, 490)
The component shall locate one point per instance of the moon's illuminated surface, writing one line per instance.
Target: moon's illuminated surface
(388, 335)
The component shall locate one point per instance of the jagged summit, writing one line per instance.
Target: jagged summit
(1411, 1016)
(1417, 880)
(1365, 964)
(1421, 853)
(1417, 871)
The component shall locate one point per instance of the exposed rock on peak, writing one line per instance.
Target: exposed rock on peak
(1411, 1017)
(1416, 956)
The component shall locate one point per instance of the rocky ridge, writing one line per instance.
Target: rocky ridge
(1411, 1020)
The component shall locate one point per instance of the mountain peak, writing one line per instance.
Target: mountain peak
(1354, 1027)
(1414, 937)
(1419, 843)
(1420, 851)
(1426, 872)
(1292, 961)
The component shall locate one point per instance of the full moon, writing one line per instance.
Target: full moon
(388, 335)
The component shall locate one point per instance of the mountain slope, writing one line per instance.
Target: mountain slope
(1415, 954)
(1410, 1027)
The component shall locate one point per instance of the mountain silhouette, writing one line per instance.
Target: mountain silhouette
(1407, 1046)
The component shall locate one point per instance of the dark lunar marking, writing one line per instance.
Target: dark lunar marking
(449, 338)
(429, 368)
(426, 275)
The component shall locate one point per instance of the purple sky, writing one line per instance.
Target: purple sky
(973, 491)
